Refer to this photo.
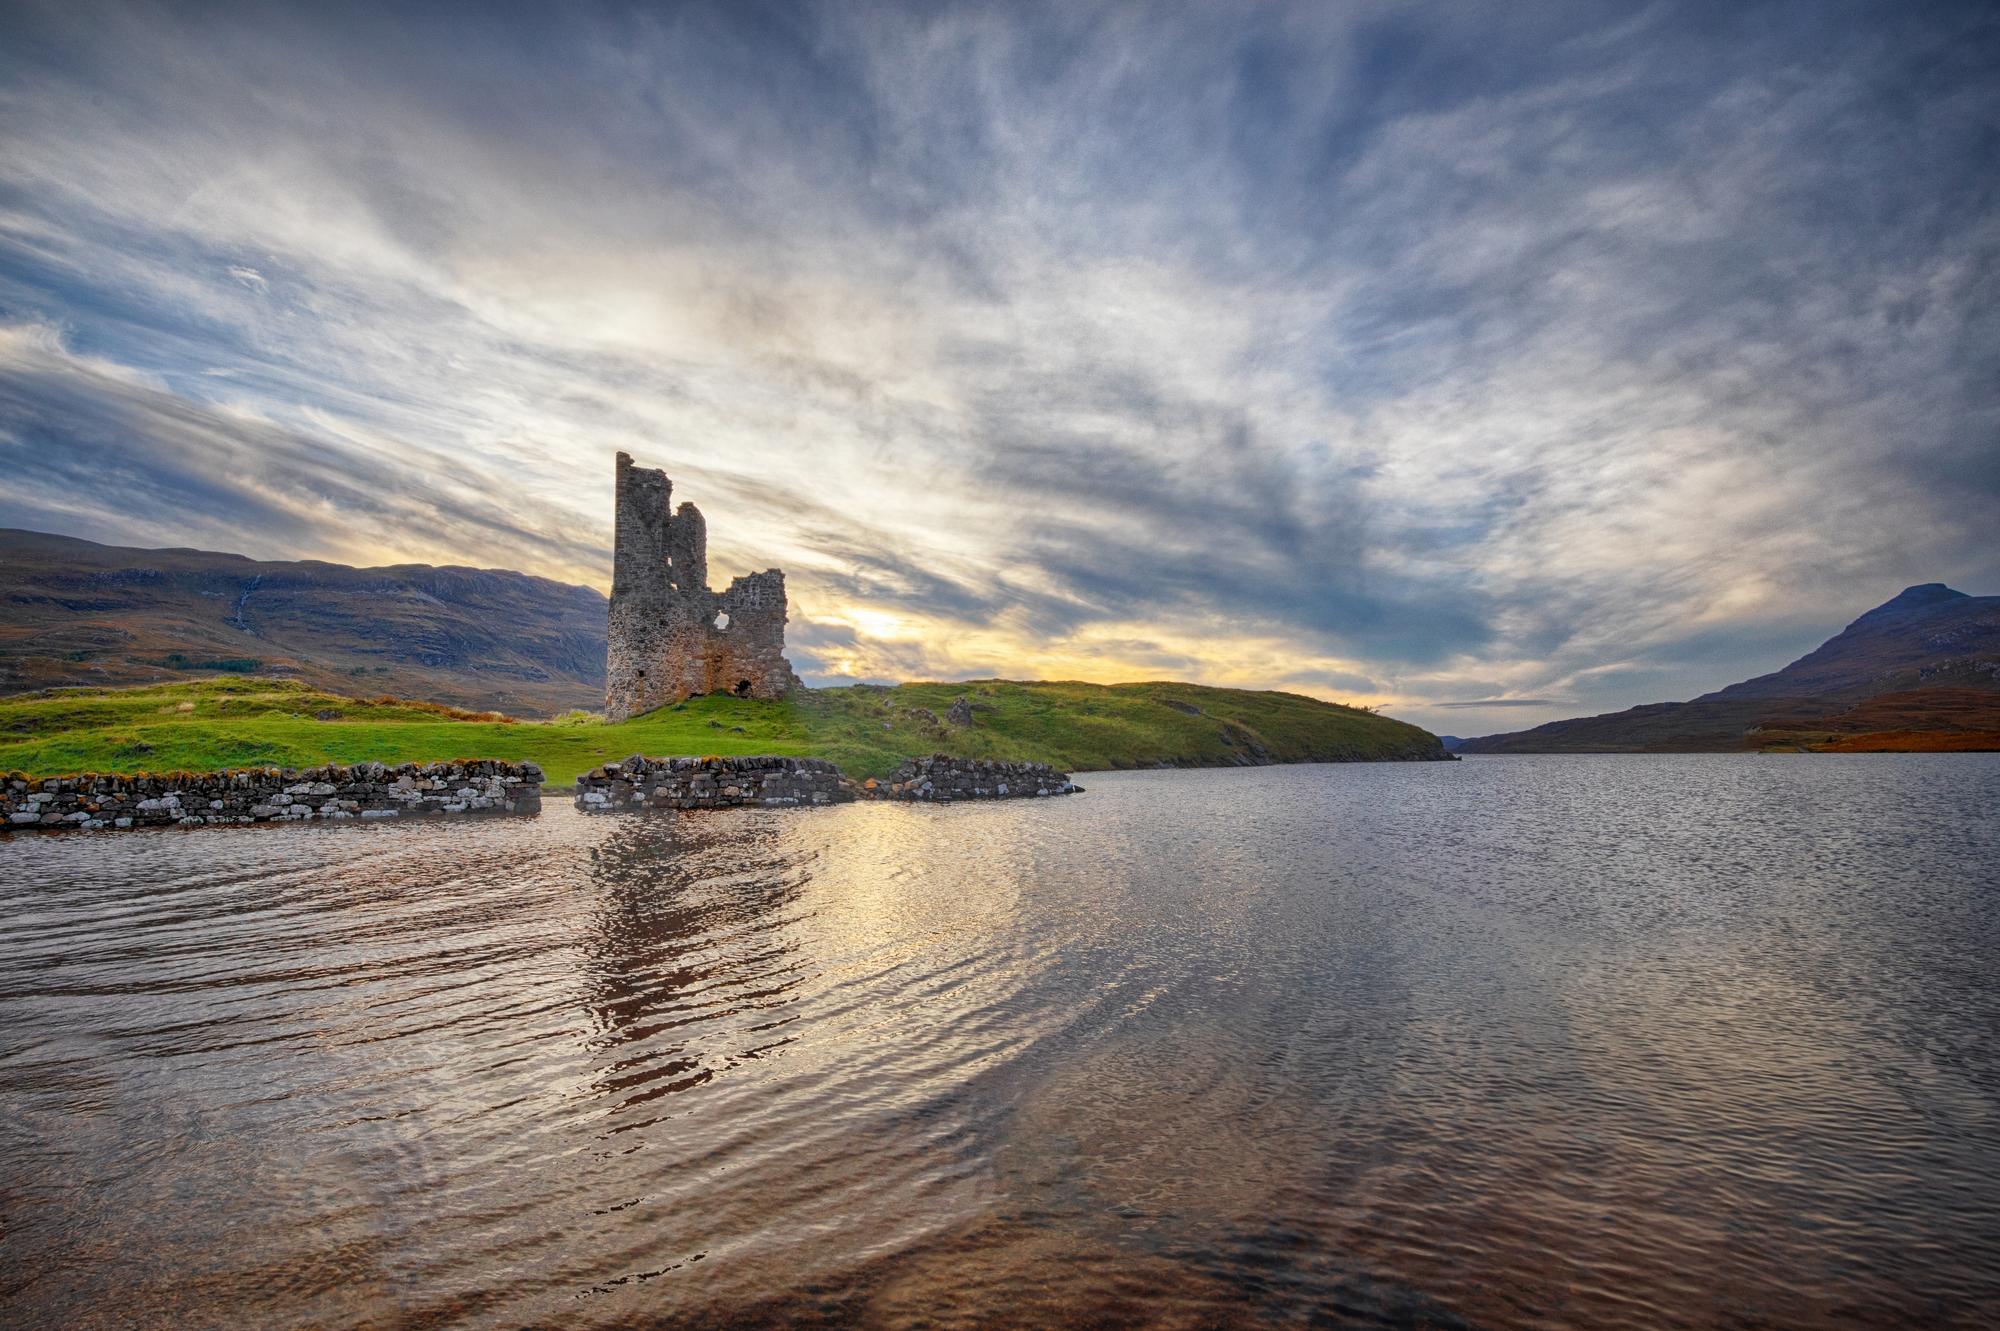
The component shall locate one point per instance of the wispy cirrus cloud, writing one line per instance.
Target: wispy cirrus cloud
(1504, 702)
(1413, 355)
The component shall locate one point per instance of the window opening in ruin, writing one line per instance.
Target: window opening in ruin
(722, 619)
(742, 688)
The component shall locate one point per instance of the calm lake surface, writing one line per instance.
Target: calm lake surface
(1552, 1042)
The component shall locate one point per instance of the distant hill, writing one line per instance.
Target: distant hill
(1920, 672)
(74, 612)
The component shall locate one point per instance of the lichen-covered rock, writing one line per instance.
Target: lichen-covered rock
(92, 801)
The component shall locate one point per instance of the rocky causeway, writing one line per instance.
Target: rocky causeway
(92, 802)
(773, 781)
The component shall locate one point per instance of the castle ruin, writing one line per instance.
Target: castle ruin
(670, 636)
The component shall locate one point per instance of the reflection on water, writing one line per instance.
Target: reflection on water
(1513, 1042)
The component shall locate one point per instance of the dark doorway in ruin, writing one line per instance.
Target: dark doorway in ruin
(742, 689)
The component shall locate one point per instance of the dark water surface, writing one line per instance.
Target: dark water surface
(1563, 1042)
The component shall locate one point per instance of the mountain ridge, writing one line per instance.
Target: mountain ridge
(77, 612)
(1920, 672)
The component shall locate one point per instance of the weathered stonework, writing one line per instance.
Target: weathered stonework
(268, 795)
(770, 781)
(670, 636)
(941, 778)
(757, 781)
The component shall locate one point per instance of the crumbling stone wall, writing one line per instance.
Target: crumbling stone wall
(757, 780)
(269, 795)
(942, 778)
(670, 636)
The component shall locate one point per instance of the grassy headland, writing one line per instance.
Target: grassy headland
(204, 725)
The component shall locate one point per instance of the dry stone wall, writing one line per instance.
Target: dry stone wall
(943, 778)
(669, 636)
(757, 781)
(269, 795)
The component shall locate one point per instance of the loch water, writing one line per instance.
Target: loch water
(1514, 1042)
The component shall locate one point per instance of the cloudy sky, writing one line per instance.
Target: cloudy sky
(1550, 358)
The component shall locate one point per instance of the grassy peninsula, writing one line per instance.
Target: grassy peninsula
(203, 725)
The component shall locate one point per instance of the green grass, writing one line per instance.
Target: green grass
(203, 725)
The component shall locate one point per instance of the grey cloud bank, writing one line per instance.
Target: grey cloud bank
(1411, 354)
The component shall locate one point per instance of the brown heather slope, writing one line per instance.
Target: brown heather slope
(1919, 673)
(74, 612)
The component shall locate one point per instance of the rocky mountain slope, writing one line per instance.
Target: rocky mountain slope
(1920, 672)
(75, 612)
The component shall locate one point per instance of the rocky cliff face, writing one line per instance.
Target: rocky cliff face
(75, 612)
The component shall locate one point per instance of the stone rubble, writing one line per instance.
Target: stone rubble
(942, 778)
(770, 781)
(94, 801)
(756, 781)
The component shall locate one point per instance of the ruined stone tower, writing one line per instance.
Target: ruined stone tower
(671, 637)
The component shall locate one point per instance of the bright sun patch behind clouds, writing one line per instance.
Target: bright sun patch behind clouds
(1483, 362)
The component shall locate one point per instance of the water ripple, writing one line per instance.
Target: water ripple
(1513, 1042)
